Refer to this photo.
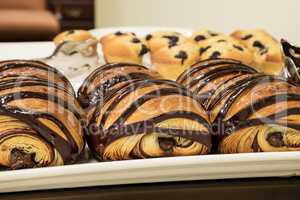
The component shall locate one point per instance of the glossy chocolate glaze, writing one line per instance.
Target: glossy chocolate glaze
(67, 148)
(204, 65)
(118, 129)
(50, 136)
(233, 87)
(219, 72)
(239, 91)
(19, 64)
(24, 81)
(87, 99)
(148, 126)
(235, 90)
(134, 86)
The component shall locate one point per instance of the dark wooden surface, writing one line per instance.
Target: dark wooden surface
(242, 189)
(74, 14)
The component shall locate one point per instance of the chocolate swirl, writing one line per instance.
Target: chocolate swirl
(146, 118)
(251, 112)
(40, 119)
(108, 78)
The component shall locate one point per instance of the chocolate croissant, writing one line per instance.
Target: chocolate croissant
(109, 78)
(205, 77)
(148, 118)
(252, 111)
(40, 119)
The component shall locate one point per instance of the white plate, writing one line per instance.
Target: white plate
(204, 167)
(283, 164)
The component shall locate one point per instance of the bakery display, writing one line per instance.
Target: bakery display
(225, 100)
(250, 111)
(123, 47)
(111, 77)
(73, 36)
(147, 118)
(267, 52)
(40, 119)
(171, 62)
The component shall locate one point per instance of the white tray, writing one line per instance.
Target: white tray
(205, 167)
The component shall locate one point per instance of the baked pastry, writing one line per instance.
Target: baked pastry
(206, 77)
(157, 40)
(204, 34)
(74, 36)
(266, 49)
(123, 47)
(40, 119)
(225, 47)
(148, 118)
(254, 112)
(109, 78)
(171, 62)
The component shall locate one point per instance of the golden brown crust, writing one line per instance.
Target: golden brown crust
(163, 39)
(225, 47)
(40, 119)
(147, 118)
(123, 47)
(73, 35)
(111, 77)
(202, 35)
(253, 112)
(171, 62)
(266, 49)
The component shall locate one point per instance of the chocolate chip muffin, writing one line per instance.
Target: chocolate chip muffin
(158, 40)
(73, 35)
(123, 47)
(203, 34)
(225, 47)
(266, 49)
(171, 62)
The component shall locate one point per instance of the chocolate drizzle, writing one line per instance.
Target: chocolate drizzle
(50, 136)
(38, 88)
(119, 127)
(104, 87)
(6, 66)
(201, 65)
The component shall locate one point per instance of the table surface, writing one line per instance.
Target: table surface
(252, 189)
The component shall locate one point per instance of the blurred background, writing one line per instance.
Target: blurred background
(27, 20)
